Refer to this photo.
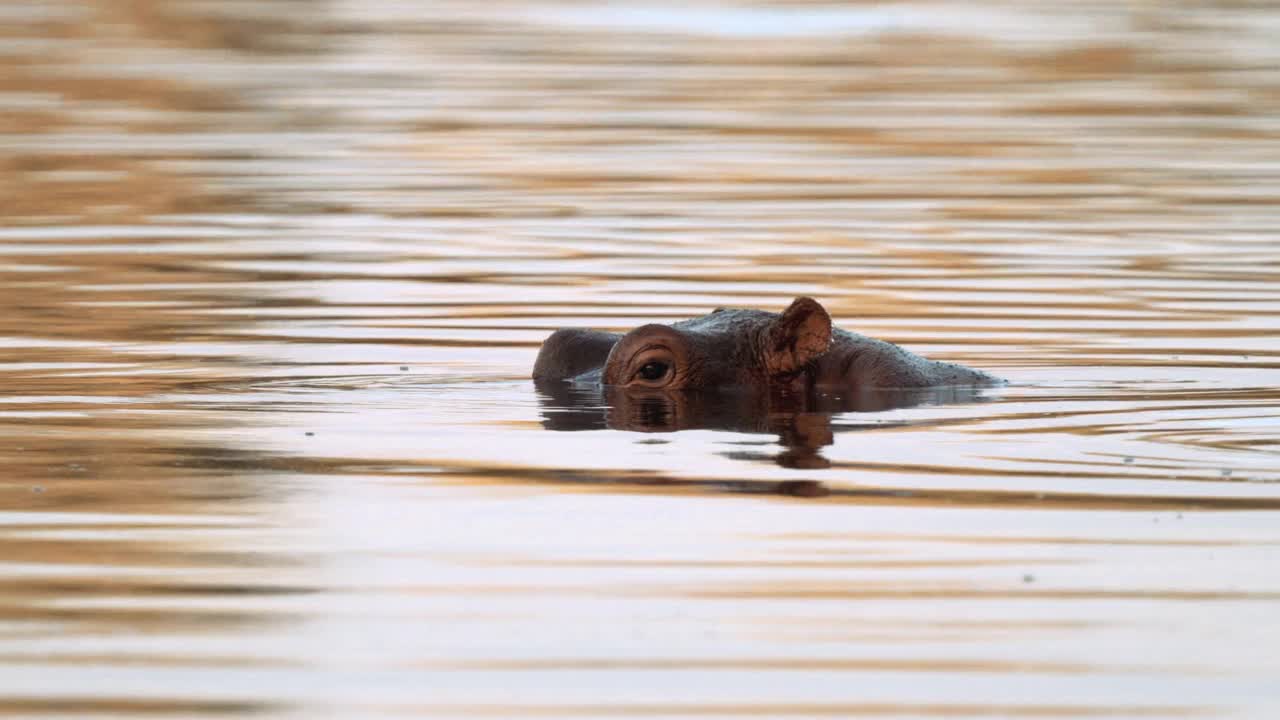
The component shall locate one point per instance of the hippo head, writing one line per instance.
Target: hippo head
(728, 347)
(731, 347)
(724, 348)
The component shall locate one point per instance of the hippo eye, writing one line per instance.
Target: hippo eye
(653, 370)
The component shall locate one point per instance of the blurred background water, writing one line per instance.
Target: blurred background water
(273, 275)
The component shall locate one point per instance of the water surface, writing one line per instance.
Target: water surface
(274, 275)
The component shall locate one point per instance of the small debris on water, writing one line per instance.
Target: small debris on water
(404, 368)
(803, 488)
(310, 434)
(1128, 460)
(1226, 473)
(37, 488)
(1028, 578)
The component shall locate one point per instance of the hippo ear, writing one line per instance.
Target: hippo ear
(797, 337)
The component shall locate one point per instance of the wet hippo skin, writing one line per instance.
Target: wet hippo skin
(797, 349)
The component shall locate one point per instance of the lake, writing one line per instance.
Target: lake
(274, 275)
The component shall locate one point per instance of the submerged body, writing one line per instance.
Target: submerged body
(796, 349)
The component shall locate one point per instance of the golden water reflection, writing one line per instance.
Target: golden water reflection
(274, 275)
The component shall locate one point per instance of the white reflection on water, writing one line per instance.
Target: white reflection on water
(805, 20)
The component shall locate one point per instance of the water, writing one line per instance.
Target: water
(274, 275)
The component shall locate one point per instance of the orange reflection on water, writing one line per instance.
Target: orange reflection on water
(274, 275)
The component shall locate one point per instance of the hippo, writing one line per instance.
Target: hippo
(797, 350)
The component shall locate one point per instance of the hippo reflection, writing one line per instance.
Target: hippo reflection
(794, 350)
(739, 370)
(800, 420)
